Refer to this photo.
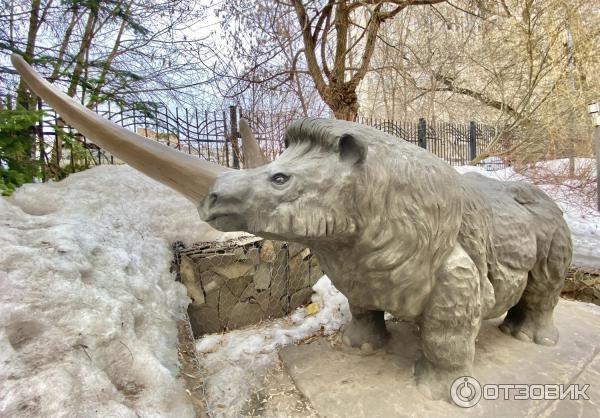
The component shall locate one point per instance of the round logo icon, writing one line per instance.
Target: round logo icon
(465, 391)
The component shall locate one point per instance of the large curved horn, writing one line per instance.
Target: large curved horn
(253, 155)
(188, 175)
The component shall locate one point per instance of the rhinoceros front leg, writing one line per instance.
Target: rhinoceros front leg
(449, 326)
(366, 330)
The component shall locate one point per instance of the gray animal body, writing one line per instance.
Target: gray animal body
(395, 228)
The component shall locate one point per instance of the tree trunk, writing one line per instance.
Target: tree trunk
(64, 44)
(343, 101)
(24, 98)
(95, 95)
(345, 112)
(573, 85)
(81, 54)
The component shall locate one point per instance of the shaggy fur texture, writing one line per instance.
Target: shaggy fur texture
(398, 230)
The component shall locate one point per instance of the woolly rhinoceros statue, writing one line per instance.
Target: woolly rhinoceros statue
(394, 227)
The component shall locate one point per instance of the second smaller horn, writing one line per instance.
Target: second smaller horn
(253, 155)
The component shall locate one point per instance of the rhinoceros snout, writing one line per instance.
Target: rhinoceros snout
(224, 206)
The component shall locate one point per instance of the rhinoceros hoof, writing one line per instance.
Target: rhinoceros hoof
(363, 336)
(529, 330)
(434, 382)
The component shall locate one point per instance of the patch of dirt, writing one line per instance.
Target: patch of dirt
(582, 285)
(190, 368)
(21, 333)
(278, 397)
(30, 407)
(131, 390)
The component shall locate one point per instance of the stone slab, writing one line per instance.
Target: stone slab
(246, 282)
(344, 382)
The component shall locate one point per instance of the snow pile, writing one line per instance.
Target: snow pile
(236, 362)
(88, 306)
(583, 220)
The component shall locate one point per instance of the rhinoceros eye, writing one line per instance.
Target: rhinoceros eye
(279, 179)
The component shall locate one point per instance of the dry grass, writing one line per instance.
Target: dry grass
(190, 368)
(277, 397)
(582, 285)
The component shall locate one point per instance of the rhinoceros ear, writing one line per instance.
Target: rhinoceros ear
(351, 149)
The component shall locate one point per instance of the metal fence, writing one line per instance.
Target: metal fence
(213, 135)
(453, 142)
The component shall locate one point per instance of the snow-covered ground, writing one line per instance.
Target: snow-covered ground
(88, 306)
(236, 362)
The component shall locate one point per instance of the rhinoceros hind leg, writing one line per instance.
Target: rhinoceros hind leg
(531, 318)
(366, 330)
(530, 325)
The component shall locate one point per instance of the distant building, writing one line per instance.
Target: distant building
(166, 138)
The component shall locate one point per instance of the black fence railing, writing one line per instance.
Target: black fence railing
(213, 135)
(458, 144)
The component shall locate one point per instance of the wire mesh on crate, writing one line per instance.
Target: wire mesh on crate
(243, 281)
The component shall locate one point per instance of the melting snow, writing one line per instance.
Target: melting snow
(88, 306)
(236, 362)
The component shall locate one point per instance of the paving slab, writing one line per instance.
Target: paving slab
(344, 382)
(277, 397)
